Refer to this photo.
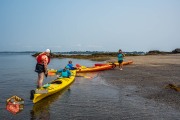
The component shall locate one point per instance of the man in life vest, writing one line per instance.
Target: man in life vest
(43, 59)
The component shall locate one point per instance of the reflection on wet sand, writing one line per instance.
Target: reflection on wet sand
(40, 109)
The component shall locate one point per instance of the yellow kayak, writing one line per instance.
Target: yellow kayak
(114, 63)
(124, 62)
(52, 87)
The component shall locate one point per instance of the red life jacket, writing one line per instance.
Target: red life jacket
(40, 60)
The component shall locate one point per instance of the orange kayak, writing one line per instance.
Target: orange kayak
(116, 63)
(95, 68)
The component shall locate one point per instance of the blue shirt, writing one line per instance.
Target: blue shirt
(71, 66)
(120, 56)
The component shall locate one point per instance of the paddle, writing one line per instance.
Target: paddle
(51, 73)
(83, 76)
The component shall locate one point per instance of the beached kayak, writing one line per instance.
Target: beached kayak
(95, 68)
(52, 87)
(116, 63)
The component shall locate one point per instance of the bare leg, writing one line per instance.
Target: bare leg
(121, 66)
(40, 79)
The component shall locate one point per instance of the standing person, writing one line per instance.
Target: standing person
(43, 59)
(120, 59)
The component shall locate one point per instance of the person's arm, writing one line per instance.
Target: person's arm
(71, 67)
(59, 71)
(46, 70)
(123, 54)
(45, 61)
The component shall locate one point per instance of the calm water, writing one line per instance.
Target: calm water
(86, 99)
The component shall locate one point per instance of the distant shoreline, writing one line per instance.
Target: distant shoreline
(177, 50)
(91, 55)
(100, 56)
(74, 52)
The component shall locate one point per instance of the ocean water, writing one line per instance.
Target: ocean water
(86, 98)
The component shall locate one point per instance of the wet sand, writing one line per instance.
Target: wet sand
(142, 86)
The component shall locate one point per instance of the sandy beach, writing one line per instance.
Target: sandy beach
(144, 83)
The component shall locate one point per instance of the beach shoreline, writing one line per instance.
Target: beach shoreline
(147, 78)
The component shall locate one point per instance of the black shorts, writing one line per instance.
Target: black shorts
(120, 61)
(39, 68)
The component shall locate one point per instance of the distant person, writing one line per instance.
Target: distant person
(65, 73)
(71, 67)
(43, 59)
(120, 59)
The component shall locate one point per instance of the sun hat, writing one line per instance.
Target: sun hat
(48, 50)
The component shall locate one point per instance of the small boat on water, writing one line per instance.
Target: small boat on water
(52, 87)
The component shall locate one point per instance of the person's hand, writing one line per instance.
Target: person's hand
(46, 74)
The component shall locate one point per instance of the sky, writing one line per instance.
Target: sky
(89, 25)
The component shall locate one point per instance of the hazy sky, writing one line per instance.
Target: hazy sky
(102, 25)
